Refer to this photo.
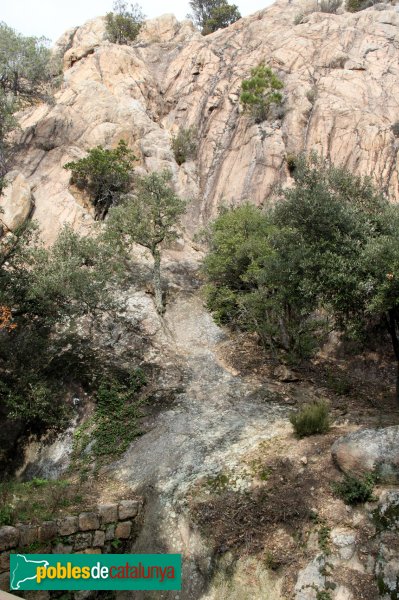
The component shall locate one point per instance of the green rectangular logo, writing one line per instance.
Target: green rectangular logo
(95, 572)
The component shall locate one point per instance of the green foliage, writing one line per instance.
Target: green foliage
(327, 255)
(34, 501)
(25, 65)
(354, 490)
(7, 123)
(260, 92)
(114, 424)
(185, 145)
(124, 24)
(357, 5)
(329, 6)
(104, 174)
(221, 16)
(148, 217)
(250, 285)
(48, 289)
(299, 18)
(311, 419)
(211, 15)
(395, 129)
(238, 247)
(323, 538)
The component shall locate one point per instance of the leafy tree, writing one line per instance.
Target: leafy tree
(104, 174)
(211, 15)
(331, 247)
(124, 24)
(260, 92)
(248, 284)
(43, 292)
(25, 64)
(148, 218)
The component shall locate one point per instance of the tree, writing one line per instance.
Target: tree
(211, 15)
(260, 91)
(43, 293)
(148, 218)
(124, 25)
(104, 174)
(26, 70)
(25, 65)
(330, 247)
(249, 286)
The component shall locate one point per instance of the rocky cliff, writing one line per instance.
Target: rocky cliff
(224, 480)
(341, 88)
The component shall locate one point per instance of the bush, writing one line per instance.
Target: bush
(357, 5)
(104, 174)
(311, 419)
(353, 490)
(395, 129)
(185, 145)
(260, 92)
(330, 6)
(123, 25)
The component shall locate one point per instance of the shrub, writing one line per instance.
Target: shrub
(123, 25)
(311, 419)
(395, 129)
(185, 145)
(260, 92)
(104, 174)
(353, 490)
(299, 18)
(357, 5)
(329, 6)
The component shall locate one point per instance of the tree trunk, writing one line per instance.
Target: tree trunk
(156, 277)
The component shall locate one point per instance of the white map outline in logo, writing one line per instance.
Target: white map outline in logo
(44, 563)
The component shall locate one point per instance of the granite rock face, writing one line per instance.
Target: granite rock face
(370, 450)
(341, 88)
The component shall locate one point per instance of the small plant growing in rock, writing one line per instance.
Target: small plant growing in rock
(260, 92)
(311, 419)
(329, 6)
(357, 5)
(395, 129)
(354, 490)
(185, 145)
(299, 18)
(123, 24)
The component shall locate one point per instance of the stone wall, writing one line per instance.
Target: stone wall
(109, 529)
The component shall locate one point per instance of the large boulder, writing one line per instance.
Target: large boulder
(16, 202)
(370, 450)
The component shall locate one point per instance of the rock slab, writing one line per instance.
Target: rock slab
(369, 450)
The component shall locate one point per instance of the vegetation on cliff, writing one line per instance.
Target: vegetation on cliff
(124, 23)
(211, 15)
(326, 255)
